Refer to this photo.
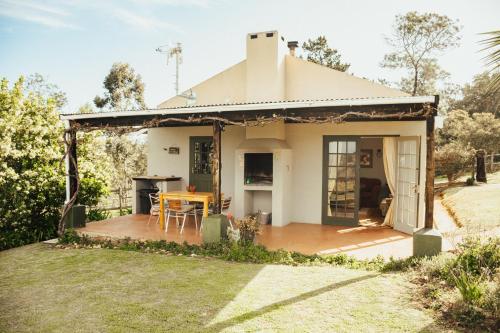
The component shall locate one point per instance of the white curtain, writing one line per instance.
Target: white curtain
(390, 162)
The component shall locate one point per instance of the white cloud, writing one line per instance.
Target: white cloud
(142, 22)
(177, 3)
(36, 13)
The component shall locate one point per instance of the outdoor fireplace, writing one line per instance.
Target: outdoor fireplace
(258, 169)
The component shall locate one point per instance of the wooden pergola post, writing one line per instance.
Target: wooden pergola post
(72, 164)
(429, 174)
(217, 166)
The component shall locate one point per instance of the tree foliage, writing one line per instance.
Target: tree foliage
(417, 39)
(128, 159)
(124, 89)
(479, 131)
(478, 97)
(452, 159)
(320, 53)
(31, 183)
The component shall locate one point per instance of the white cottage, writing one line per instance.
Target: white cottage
(330, 148)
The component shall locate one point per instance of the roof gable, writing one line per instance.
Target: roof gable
(308, 80)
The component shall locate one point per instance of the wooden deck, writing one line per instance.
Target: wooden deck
(366, 241)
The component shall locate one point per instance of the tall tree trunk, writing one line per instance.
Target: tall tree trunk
(120, 199)
(481, 166)
(415, 82)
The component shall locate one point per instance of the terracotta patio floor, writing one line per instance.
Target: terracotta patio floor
(366, 241)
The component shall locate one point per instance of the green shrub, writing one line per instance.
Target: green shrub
(479, 257)
(32, 181)
(452, 159)
(470, 181)
(125, 211)
(231, 251)
(70, 236)
(491, 300)
(470, 286)
(438, 267)
(97, 214)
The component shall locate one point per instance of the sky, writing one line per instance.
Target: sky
(74, 43)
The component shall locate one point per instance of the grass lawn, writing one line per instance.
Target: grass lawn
(477, 207)
(45, 289)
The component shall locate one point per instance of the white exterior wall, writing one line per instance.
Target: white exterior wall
(161, 163)
(306, 142)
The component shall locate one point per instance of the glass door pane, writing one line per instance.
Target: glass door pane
(341, 179)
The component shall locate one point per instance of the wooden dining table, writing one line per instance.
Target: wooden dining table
(204, 197)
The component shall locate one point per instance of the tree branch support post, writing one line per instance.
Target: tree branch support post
(215, 226)
(216, 160)
(73, 215)
(428, 241)
(72, 165)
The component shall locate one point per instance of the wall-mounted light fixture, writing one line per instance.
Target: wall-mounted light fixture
(172, 150)
(379, 153)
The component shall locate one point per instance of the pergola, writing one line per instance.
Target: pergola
(409, 108)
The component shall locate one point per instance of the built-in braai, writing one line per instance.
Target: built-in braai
(258, 169)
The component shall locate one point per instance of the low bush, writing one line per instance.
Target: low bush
(97, 214)
(473, 270)
(479, 257)
(470, 287)
(231, 251)
(452, 159)
(469, 181)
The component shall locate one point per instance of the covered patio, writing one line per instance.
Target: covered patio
(364, 242)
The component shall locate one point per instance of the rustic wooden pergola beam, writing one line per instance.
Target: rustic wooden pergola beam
(408, 112)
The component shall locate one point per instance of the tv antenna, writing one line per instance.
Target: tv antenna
(174, 52)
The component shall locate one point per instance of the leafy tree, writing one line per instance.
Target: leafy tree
(416, 39)
(86, 108)
(94, 164)
(124, 89)
(128, 159)
(31, 183)
(479, 97)
(320, 53)
(452, 159)
(430, 74)
(480, 131)
(37, 84)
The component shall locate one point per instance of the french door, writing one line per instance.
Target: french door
(407, 181)
(340, 180)
(200, 163)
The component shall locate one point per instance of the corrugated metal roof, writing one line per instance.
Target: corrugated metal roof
(248, 106)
